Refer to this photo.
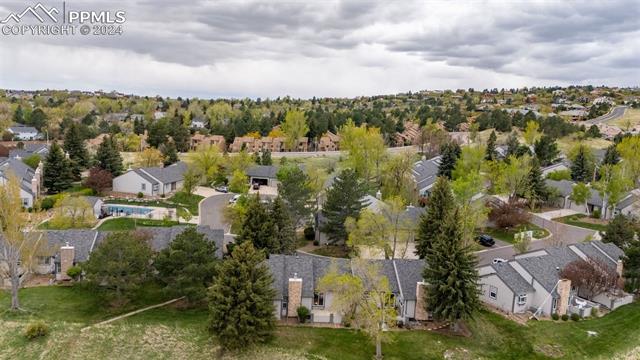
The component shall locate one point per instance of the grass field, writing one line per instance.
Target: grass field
(508, 234)
(578, 220)
(126, 223)
(170, 333)
(629, 120)
(568, 142)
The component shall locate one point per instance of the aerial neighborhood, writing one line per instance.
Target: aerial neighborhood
(431, 217)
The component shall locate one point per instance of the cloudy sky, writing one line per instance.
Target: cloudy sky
(237, 48)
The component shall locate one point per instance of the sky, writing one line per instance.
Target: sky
(327, 48)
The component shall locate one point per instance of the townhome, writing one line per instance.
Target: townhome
(151, 181)
(243, 142)
(329, 142)
(30, 180)
(628, 204)
(410, 135)
(531, 283)
(273, 144)
(198, 140)
(296, 279)
(22, 132)
(425, 174)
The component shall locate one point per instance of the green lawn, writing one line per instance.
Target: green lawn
(127, 223)
(189, 202)
(577, 220)
(508, 234)
(166, 333)
(47, 226)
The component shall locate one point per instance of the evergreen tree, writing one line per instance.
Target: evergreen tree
(491, 147)
(296, 192)
(56, 173)
(450, 153)
(537, 190)
(181, 136)
(241, 300)
(619, 231)
(138, 126)
(266, 158)
(631, 266)
(108, 157)
(546, 150)
(284, 230)
(512, 145)
(451, 275)
(18, 115)
(188, 265)
(75, 148)
(439, 205)
(258, 227)
(169, 153)
(582, 166)
(611, 156)
(344, 199)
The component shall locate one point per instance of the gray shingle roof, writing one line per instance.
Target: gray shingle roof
(610, 249)
(545, 268)
(166, 175)
(410, 274)
(262, 171)
(564, 187)
(92, 200)
(425, 172)
(21, 170)
(81, 240)
(30, 149)
(22, 129)
(512, 278)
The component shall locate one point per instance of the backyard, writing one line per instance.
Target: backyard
(583, 221)
(128, 223)
(170, 332)
(178, 200)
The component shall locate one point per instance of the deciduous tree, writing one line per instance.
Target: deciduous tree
(294, 127)
(590, 277)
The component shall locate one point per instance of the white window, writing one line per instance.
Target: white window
(318, 299)
(522, 299)
(493, 292)
(143, 186)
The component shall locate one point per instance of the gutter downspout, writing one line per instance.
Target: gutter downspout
(404, 303)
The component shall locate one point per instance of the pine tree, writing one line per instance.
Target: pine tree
(611, 156)
(452, 290)
(18, 115)
(582, 166)
(108, 157)
(344, 199)
(241, 300)
(75, 148)
(56, 173)
(285, 233)
(619, 231)
(258, 227)
(266, 158)
(439, 205)
(138, 126)
(546, 150)
(491, 147)
(169, 152)
(512, 145)
(188, 265)
(536, 188)
(450, 153)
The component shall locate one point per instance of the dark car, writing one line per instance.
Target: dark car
(485, 240)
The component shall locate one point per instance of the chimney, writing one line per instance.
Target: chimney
(67, 254)
(421, 313)
(379, 195)
(295, 295)
(620, 271)
(564, 290)
(34, 187)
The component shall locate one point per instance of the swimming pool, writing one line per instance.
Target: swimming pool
(112, 209)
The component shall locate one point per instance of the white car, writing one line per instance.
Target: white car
(234, 199)
(499, 260)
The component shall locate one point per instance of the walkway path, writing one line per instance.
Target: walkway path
(132, 313)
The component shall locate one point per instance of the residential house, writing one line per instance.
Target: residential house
(410, 135)
(198, 140)
(116, 117)
(151, 181)
(329, 142)
(425, 173)
(603, 100)
(574, 115)
(560, 166)
(532, 282)
(199, 123)
(296, 279)
(264, 175)
(30, 180)
(243, 142)
(159, 115)
(22, 132)
(273, 144)
(30, 149)
(628, 204)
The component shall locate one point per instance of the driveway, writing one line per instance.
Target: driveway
(211, 210)
(615, 113)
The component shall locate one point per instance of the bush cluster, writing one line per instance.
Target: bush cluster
(36, 329)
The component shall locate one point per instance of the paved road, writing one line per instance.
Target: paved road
(211, 211)
(615, 113)
(560, 234)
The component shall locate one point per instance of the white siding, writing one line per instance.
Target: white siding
(505, 297)
(131, 183)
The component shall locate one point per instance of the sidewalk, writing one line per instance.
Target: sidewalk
(557, 213)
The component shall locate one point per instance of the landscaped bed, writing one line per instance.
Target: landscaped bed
(508, 234)
(128, 223)
(583, 221)
(170, 332)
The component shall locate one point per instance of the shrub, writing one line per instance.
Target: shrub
(309, 233)
(140, 195)
(595, 312)
(316, 242)
(303, 314)
(36, 329)
(559, 175)
(595, 214)
(565, 317)
(47, 203)
(555, 316)
(74, 272)
(575, 317)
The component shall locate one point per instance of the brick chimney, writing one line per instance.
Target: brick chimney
(67, 254)
(564, 291)
(295, 295)
(421, 311)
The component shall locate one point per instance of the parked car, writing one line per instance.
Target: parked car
(499, 260)
(222, 189)
(485, 240)
(256, 186)
(234, 199)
